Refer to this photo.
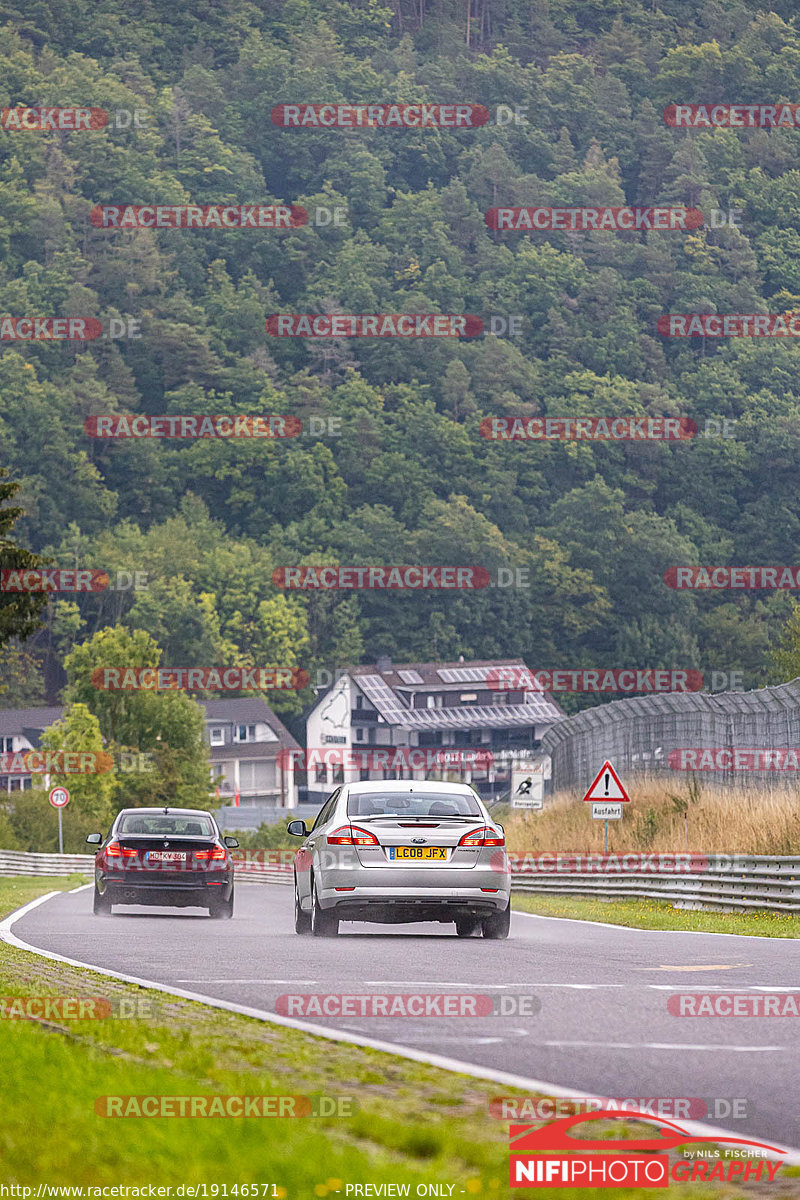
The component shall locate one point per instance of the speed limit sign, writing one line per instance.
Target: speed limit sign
(59, 797)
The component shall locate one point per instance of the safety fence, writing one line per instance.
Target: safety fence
(724, 882)
(646, 735)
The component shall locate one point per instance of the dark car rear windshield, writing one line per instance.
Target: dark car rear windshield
(417, 804)
(162, 825)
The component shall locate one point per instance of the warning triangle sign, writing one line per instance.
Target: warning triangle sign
(607, 785)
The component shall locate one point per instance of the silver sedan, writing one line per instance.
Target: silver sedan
(400, 851)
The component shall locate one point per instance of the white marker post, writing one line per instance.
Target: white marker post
(59, 798)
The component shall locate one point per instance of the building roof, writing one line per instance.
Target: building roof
(31, 721)
(390, 689)
(28, 721)
(245, 711)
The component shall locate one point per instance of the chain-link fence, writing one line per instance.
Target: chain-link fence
(742, 732)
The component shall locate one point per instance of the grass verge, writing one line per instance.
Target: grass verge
(656, 914)
(415, 1124)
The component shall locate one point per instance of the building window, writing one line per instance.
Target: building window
(244, 733)
(257, 775)
(338, 773)
(359, 735)
(7, 745)
(372, 734)
(216, 736)
(359, 701)
(321, 773)
(363, 774)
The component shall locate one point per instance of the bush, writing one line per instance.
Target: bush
(268, 837)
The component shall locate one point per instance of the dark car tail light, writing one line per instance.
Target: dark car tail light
(218, 852)
(483, 837)
(114, 850)
(351, 835)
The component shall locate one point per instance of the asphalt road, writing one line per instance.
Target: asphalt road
(603, 1028)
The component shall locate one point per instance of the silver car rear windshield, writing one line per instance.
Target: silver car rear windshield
(417, 804)
(158, 825)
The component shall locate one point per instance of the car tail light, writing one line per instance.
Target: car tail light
(217, 853)
(351, 835)
(114, 850)
(483, 837)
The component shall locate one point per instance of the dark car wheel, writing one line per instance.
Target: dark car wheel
(101, 904)
(466, 926)
(323, 924)
(302, 920)
(498, 925)
(221, 910)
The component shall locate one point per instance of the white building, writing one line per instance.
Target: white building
(424, 720)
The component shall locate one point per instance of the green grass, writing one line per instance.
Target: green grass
(655, 914)
(415, 1124)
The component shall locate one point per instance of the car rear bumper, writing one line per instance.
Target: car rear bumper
(199, 890)
(415, 904)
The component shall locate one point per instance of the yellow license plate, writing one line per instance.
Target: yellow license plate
(412, 852)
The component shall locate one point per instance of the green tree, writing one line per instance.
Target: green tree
(168, 725)
(20, 611)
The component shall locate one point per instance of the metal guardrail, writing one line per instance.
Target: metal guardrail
(730, 883)
(21, 862)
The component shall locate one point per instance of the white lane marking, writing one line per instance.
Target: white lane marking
(473, 983)
(589, 987)
(790, 1156)
(80, 888)
(520, 912)
(422, 1038)
(665, 1046)
(486, 987)
(697, 967)
(718, 987)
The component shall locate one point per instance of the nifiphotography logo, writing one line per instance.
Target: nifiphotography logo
(547, 1156)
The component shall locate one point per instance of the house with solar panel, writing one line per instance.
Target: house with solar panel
(427, 721)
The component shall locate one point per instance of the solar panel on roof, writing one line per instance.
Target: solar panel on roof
(463, 674)
(476, 718)
(382, 696)
(410, 676)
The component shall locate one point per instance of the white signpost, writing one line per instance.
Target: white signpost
(527, 787)
(607, 812)
(607, 795)
(59, 798)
